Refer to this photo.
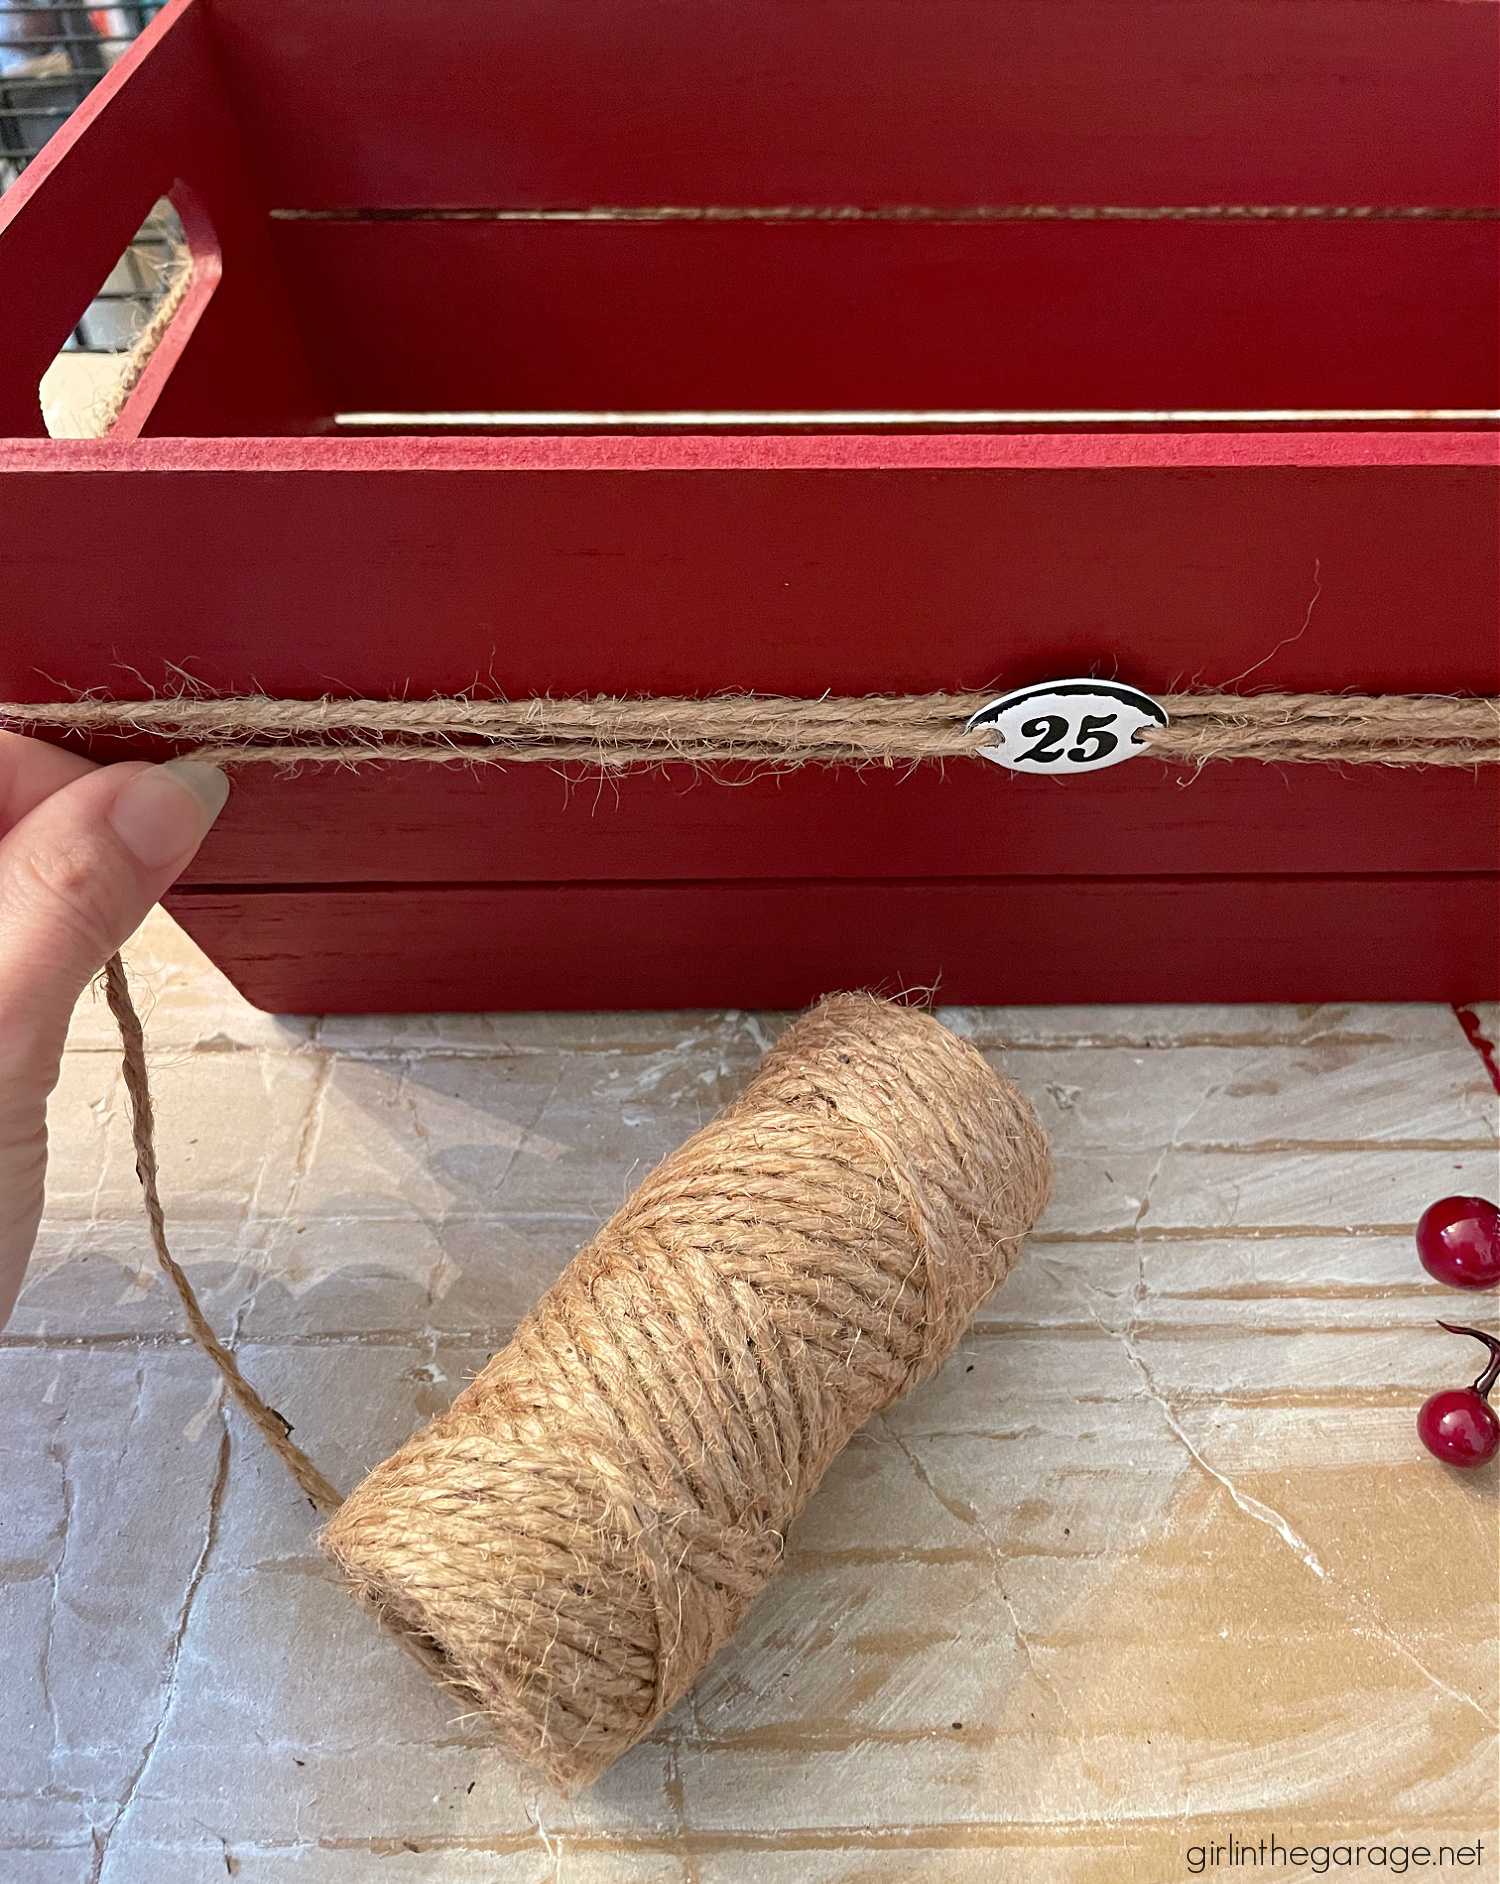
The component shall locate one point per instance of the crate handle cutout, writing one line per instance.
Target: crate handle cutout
(147, 306)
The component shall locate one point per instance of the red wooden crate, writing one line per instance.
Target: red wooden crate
(1044, 208)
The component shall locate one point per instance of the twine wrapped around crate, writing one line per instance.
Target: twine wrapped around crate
(574, 1540)
(611, 733)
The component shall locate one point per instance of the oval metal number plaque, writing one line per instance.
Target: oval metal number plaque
(1067, 726)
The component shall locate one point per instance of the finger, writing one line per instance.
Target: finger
(77, 875)
(80, 870)
(31, 770)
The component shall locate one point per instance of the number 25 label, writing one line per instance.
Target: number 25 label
(1066, 726)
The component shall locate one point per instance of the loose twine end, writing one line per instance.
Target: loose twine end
(274, 1427)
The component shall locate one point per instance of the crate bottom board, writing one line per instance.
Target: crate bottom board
(415, 948)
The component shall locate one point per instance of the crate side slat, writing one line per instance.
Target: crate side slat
(755, 944)
(1039, 448)
(960, 562)
(655, 102)
(418, 823)
(413, 317)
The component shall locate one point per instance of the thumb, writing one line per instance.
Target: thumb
(78, 874)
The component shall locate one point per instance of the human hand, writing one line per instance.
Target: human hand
(85, 850)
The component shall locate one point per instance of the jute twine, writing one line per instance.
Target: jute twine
(273, 1427)
(138, 358)
(574, 1540)
(610, 733)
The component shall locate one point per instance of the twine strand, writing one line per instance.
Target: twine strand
(103, 417)
(273, 1426)
(611, 733)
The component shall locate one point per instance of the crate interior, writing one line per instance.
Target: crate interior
(763, 213)
(900, 207)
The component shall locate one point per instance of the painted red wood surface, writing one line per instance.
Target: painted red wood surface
(414, 823)
(773, 944)
(794, 565)
(865, 101)
(1133, 103)
(783, 564)
(159, 117)
(1009, 316)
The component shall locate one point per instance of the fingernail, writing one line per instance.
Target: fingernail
(162, 814)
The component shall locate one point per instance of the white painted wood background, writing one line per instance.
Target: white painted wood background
(1157, 1559)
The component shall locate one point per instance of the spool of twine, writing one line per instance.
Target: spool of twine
(577, 1537)
(584, 1529)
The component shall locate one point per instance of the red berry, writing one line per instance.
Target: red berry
(1460, 1428)
(1458, 1241)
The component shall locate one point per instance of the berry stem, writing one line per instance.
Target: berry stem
(1491, 1373)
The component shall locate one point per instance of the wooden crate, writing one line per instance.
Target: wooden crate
(1044, 208)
